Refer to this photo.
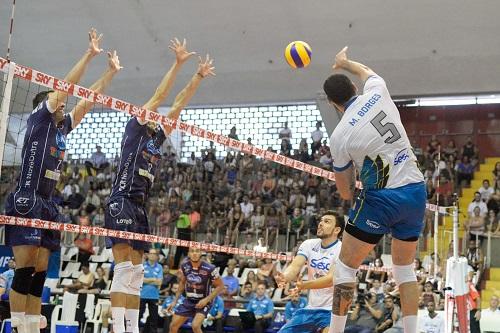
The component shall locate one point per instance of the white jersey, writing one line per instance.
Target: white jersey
(371, 135)
(431, 325)
(319, 260)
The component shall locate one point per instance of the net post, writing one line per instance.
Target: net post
(5, 107)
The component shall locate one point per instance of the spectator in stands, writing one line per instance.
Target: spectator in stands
(98, 218)
(247, 291)
(253, 279)
(272, 224)
(450, 150)
(280, 266)
(5, 285)
(85, 248)
(374, 274)
(257, 221)
(100, 282)
(316, 136)
(215, 317)
(431, 322)
(378, 289)
(494, 202)
(296, 222)
(365, 315)
(85, 280)
(302, 154)
(475, 224)
(326, 160)
(246, 207)
(465, 170)
(486, 190)
(97, 162)
(286, 134)
(295, 303)
(477, 202)
(432, 147)
(428, 295)
(236, 218)
(492, 224)
(470, 150)
(264, 273)
(492, 313)
(474, 255)
(390, 315)
(231, 282)
(150, 292)
(262, 307)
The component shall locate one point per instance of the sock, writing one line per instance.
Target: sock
(410, 324)
(18, 320)
(118, 315)
(32, 323)
(132, 320)
(104, 330)
(337, 324)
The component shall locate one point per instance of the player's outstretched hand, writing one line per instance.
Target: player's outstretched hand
(114, 61)
(202, 303)
(180, 50)
(205, 67)
(170, 308)
(280, 279)
(94, 40)
(341, 59)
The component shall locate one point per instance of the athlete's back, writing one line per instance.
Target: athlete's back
(371, 136)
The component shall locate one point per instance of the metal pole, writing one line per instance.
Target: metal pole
(488, 250)
(455, 228)
(4, 120)
(436, 216)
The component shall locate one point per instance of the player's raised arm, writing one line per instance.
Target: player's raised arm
(84, 106)
(205, 69)
(163, 89)
(325, 281)
(353, 67)
(56, 98)
(291, 272)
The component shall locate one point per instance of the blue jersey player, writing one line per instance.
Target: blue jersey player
(371, 139)
(197, 278)
(42, 155)
(125, 211)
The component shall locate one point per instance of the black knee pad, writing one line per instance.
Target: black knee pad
(21, 282)
(37, 283)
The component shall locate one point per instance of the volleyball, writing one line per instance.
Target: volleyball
(298, 54)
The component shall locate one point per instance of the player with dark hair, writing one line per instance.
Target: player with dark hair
(42, 156)
(320, 255)
(371, 139)
(125, 211)
(197, 277)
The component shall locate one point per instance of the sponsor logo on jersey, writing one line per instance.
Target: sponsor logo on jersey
(60, 141)
(22, 201)
(372, 224)
(124, 221)
(193, 279)
(59, 154)
(401, 156)
(322, 263)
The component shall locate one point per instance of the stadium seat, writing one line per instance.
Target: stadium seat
(72, 251)
(66, 282)
(70, 268)
(277, 294)
(96, 319)
(67, 311)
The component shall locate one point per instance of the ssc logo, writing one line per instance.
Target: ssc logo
(322, 264)
(152, 149)
(194, 279)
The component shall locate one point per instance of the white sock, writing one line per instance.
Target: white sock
(118, 315)
(33, 323)
(104, 330)
(132, 320)
(18, 320)
(337, 324)
(410, 324)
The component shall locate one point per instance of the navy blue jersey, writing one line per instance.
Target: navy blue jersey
(140, 153)
(43, 152)
(198, 280)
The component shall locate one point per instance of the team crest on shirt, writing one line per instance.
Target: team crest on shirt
(193, 279)
(151, 152)
(59, 150)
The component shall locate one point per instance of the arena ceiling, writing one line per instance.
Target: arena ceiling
(424, 47)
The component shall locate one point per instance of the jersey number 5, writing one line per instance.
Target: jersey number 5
(383, 129)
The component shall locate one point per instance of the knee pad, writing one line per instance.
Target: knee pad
(137, 280)
(403, 274)
(21, 282)
(37, 283)
(343, 273)
(121, 277)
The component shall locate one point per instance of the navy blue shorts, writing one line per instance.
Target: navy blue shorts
(126, 215)
(188, 309)
(33, 206)
(399, 211)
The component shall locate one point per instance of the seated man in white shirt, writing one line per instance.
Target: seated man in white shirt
(431, 322)
(490, 317)
(477, 202)
(486, 190)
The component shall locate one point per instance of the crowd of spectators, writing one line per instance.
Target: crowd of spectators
(251, 203)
